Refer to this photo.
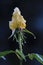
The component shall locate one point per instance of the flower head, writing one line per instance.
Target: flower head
(17, 20)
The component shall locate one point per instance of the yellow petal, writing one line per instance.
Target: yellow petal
(12, 25)
(17, 20)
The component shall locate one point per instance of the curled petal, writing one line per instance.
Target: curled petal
(12, 34)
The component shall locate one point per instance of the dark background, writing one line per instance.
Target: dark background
(32, 11)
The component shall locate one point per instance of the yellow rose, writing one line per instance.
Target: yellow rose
(17, 20)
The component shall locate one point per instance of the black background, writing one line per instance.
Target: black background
(32, 11)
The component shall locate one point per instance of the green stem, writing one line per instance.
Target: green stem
(20, 47)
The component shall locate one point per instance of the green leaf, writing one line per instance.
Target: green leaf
(38, 57)
(30, 56)
(4, 53)
(27, 31)
(15, 37)
(20, 54)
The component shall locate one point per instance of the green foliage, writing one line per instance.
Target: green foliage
(19, 36)
(27, 31)
(4, 53)
(38, 57)
(20, 55)
(17, 52)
